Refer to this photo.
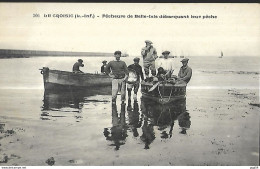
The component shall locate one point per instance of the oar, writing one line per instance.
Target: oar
(156, 84)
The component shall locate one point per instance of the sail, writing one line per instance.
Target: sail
(221, 55)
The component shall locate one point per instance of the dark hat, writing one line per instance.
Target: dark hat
(185, 60)
(137, 59)
(166, 52)
(80, 60)
(117, 52)
(148, 41)
(104, 61)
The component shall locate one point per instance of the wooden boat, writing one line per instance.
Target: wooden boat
(164, 92)
(64, 80)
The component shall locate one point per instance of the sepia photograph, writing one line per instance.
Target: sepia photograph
(129, 84)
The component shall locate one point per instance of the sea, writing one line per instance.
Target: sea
(86, 129)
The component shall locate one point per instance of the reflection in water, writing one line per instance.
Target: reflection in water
(69, 101)
(133, 118)
(164, 116)
(56, 101)
(118, 132)
(184, 122)
(148, 133)
(142, 124)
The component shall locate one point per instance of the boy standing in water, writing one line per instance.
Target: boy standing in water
(139, 72)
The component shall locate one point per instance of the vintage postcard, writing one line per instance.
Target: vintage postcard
(125, 84)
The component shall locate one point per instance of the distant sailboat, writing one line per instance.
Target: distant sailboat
(221, 55)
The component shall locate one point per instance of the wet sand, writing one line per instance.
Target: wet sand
(220, 127)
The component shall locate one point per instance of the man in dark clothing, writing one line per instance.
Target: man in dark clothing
(139, 72)
(119, 73)
(185, 72)
(161, 74)
(103, 66)
(76, 66)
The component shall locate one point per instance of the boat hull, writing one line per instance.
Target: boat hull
(164, 93)
(63, 80)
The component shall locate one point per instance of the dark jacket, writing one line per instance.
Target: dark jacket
(103, 68)
(76, 67)
(138, 70)
(185, 73)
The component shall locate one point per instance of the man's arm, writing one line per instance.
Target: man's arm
(172, 66)
(129, 67)
(188, 76)
(141, 73)
(144, 51)
(126, 71)
(179, 74)
(155, 53)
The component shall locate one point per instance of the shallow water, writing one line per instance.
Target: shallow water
(215, 125)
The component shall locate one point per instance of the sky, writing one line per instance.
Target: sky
(235, 30)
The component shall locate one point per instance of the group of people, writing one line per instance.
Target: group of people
(119, 72)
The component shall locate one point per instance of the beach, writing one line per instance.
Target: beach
(217, 124)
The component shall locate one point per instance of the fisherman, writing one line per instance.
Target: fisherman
(149, 56)
(185, 72)
(119, 74)
(139, 72)
(103, 66)
(76, 66)
(160, 74)
(165, 63)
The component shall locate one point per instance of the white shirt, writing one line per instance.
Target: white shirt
(166, 64)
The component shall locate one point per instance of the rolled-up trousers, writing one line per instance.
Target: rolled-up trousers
(149, 65)
(118, 85)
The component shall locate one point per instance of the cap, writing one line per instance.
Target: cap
(80, 60)
(104, 61)
(166, 52)
(185, 60)
(117, 52)
(148, 41)
(136, 59)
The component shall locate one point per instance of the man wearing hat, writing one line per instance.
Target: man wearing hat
(149, 54)
(165, 63)
(119, 73)
(185, 72)
(76, 66)
(103, 66)
(139, 72)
